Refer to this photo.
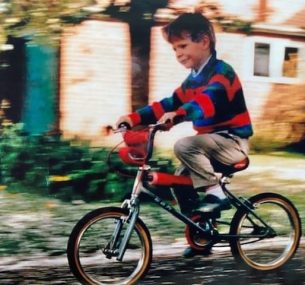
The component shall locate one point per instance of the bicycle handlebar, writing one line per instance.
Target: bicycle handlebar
(123, 127)
(153, 129)
(159, 127)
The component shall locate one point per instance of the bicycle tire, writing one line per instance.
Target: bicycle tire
(86, 259)
(266, 254)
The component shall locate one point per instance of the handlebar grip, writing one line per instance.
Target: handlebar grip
(124, 125)
(178, 119)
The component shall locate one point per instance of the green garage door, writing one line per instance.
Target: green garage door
(41, 82)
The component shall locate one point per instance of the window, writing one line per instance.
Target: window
(274, 59)
(290, 62)
(261, 59)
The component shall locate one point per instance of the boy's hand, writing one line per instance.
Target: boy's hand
(168, 118)
(124, 119)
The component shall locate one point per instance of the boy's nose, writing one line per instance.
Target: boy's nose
(178, 54)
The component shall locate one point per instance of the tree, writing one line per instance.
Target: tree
(39, 20)
(139, 14)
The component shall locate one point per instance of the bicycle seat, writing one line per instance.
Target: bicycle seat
(228, 170)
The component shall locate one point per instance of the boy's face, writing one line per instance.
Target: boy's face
(189, 53)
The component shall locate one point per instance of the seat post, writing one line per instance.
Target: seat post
(226, 179)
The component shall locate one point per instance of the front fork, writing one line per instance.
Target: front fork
(118, 247)
(130, 221)
(118, 242)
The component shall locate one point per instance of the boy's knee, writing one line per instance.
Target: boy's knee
(181, 147)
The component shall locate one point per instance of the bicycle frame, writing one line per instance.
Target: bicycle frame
(141, 186)
(133, 204)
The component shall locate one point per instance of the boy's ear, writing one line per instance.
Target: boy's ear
(205, 42)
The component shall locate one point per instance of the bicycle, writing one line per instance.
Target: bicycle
(112, 245)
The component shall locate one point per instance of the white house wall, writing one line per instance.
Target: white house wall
(94, 77)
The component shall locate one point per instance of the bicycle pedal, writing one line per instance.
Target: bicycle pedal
(214, 215)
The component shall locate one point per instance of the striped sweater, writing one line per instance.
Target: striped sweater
(213, 100)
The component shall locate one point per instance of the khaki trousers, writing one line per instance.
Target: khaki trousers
(196, 152)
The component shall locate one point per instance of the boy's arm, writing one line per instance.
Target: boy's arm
(152, 113)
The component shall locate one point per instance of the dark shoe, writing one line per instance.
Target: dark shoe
(191, 252)
(211, 203)
(189, 205)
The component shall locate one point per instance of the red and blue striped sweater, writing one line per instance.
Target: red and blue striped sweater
(213, 100)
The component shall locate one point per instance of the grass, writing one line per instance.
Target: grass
(34, 226)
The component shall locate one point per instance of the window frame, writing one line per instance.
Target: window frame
(258, 46)
(276, 59)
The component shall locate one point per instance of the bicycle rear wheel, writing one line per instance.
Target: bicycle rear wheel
(93, 234)
(274, 248)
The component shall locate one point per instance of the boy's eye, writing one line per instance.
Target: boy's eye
(180, 47)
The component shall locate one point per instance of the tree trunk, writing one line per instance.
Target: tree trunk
(141, 20)
(140, 54)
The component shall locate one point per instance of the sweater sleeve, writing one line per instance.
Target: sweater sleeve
(152, 113)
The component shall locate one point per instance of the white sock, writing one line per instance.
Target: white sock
(217, 191)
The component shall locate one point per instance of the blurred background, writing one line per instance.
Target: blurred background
(70, 68)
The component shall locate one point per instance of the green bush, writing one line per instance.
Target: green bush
(68, 170)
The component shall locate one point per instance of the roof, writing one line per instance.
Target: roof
(297, 20)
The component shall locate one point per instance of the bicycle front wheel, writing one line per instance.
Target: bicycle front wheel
(92, 236)
(266, 245)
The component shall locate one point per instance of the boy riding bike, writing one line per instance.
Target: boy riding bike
(212, 98)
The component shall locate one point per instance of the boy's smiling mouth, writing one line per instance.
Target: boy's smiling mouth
(185, 61)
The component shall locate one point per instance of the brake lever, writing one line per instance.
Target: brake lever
(169, 124)
(120, 130)
(178, 119)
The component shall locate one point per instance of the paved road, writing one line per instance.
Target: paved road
(217, 269)
(222, 270)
